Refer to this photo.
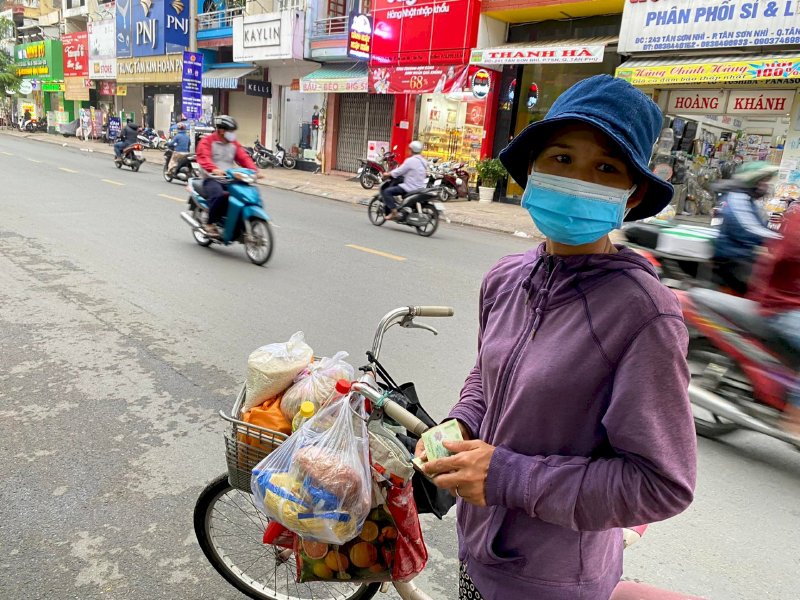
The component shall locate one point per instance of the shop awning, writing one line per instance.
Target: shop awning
(588, 50)
(773, 69)
(336, 79)
(225, 77)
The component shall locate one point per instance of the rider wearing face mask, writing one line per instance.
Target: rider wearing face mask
(576, 415)
(216, 154)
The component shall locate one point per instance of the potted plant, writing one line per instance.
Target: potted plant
(490, 171)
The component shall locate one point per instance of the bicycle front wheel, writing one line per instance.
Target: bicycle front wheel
(230, 528)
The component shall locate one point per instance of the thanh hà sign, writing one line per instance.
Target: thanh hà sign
(650, 25)
(513, 55)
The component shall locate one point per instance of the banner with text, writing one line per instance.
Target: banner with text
(419, 80)
(783, 71)
(102, 49)
(192, 85)
(702, 24)
(520, 55)
(76, 54)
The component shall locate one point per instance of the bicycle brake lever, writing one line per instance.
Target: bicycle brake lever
(409, 323)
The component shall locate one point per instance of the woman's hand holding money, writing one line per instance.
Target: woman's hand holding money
(464, 473)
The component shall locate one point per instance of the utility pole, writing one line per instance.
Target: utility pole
(193, 25)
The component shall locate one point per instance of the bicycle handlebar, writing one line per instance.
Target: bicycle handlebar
(432, 311)
(390, 407)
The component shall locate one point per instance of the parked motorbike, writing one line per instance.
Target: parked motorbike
(371, 172)
(186, 168)
(741, 369)
(152, 140)
(450, 180)
(35, 125)
(246, 221)
(132, 156)
(418, 209)
(264, 157)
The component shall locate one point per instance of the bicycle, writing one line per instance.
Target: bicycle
(226, 514)
(230, 528)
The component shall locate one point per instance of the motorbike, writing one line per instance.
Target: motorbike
(451, 181)
(35, 125)
(237, 540)
(151, 140)
(246, 221)
(741, 369)
(132, 157)
(186, 168)
(264, 157)
(371, 172)
(418, 209)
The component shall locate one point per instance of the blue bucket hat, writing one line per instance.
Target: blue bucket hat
(617, 109)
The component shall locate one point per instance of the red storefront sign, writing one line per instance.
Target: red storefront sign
(76, 54)
(425, 79)
(423, 32)
(108, 88)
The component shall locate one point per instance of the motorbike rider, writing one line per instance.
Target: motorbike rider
(179, 145)
(743, 230)
(217, 153)
(129, 135)
(776, 287)
(414, 172)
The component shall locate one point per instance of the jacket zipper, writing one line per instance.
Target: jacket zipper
(528, 332)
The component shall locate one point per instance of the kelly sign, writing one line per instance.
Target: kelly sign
(512, 55)
(192, 85)
(700, 24)
(76, 54)
(423, 32)
(419, 80)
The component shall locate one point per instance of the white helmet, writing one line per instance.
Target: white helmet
(416, 147)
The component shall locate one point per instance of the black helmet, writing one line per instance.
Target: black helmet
(225, 122)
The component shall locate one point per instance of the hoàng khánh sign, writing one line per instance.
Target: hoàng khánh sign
(785, 70)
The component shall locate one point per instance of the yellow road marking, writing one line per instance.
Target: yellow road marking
(112, 182)
(168, 197)
(375, 252)
(34, 160)
(6, 153)
(66, 170)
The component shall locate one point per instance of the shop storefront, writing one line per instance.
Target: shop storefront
(719, 110)
(152, 88)
(41, 64)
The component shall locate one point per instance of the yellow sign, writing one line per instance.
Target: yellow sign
(150, 69)
(75, 88)
(784, 71)
(122, 90)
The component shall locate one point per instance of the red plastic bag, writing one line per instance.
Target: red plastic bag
(410, 551)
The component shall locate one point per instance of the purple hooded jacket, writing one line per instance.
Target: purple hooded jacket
(581, 384)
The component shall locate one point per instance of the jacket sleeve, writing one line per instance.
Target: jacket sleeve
(650, 427)
(203, 155)
(401, 170)
(243, 158)
(744, 212)
(471, 407)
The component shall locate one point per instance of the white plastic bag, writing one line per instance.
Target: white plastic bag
(272, 368)
(317, 384)
(318, 483)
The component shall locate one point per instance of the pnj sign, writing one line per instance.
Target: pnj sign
(159, 27)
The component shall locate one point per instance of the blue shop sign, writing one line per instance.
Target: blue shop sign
(160, 27)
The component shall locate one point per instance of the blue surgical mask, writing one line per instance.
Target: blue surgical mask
(574, 212)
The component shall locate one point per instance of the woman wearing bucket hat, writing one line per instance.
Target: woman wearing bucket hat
(576, 416)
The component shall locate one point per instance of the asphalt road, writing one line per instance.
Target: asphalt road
(121, 339)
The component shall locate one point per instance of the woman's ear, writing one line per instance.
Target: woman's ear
(637, 197)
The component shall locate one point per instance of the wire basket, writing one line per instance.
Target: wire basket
(246, 445)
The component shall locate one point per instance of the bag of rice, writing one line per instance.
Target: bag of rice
(317, 384)
(272, 368)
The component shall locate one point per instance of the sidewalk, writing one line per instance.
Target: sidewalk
(495, 216)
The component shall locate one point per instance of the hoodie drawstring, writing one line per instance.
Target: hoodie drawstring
(543, 295)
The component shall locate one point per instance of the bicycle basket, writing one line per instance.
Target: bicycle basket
(246, 445)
